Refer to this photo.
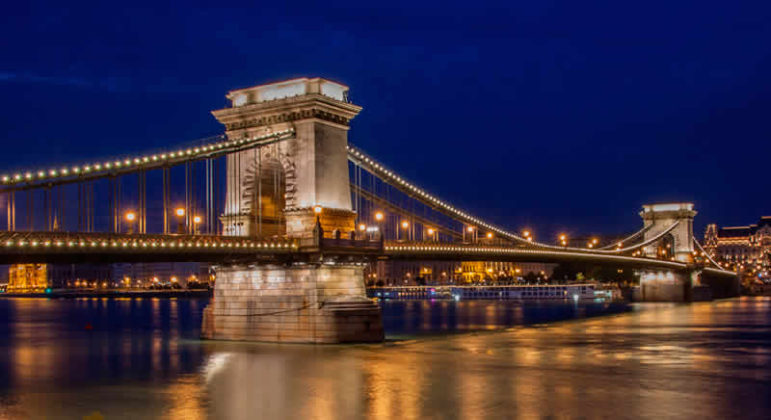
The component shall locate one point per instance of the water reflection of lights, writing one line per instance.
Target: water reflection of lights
(215, 364)
(666, 360)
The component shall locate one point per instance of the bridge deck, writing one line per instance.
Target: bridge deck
(64, 247)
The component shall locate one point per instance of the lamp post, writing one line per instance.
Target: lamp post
(130, 217)
(379, 216)
(180, 213)
(363, 230)
(196, 224)
(406, 225)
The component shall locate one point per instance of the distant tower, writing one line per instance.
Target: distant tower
(710, 239)
(274, 189)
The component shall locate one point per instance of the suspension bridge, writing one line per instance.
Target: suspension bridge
(290, 213)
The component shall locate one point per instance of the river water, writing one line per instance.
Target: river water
(141, 358)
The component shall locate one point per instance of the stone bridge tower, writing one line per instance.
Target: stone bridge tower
(659, 217)
(664, 285)
(310, 170)
(280, 189)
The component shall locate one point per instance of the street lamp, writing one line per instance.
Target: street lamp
(363, 230)
(563, 239)
(196, 223)
(180, 212)
(130, 217)
(470, 231)
(379, 216)
(406, 225)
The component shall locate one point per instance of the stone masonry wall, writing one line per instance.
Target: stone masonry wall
(299, 304)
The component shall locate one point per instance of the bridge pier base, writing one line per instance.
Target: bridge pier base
(311, 303)
(671, 286)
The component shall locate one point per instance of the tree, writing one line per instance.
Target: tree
(565, 272)
(531, 278)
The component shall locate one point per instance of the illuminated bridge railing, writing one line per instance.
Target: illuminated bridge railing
(18, 247)
(463, 252)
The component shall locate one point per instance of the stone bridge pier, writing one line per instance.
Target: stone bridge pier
(287, 188)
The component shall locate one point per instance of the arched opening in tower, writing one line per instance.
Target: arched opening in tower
(267, 197)
(666, 248)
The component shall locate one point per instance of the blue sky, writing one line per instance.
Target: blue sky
(559, 116)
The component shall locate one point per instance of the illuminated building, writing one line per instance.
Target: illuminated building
(145, 274)
(27, 278)
(747, 247)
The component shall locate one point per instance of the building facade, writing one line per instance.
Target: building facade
(400, 273)
(37, 278)
(745, 248)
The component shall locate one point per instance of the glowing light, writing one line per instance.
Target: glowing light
(362, 227)
(379, 216)
(131, 216)
(180, 212)
(317, 209)
(197, 219)
(405, 224)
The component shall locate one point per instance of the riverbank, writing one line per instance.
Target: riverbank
(72, 294)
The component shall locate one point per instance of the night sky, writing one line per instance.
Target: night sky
(559, 116)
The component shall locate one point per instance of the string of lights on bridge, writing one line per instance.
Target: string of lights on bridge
(498, 251)
(504, 251)
(85, 241)
(147, 161)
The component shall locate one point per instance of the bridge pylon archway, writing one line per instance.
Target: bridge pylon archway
(314, 161)
(658, 218)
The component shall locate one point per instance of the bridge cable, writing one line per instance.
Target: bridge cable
(706, 254)
(394, 180)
